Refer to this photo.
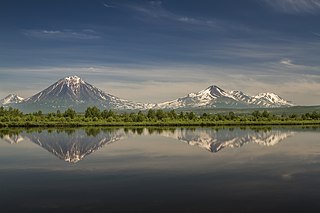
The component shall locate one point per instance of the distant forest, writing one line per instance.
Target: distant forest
(93, 116)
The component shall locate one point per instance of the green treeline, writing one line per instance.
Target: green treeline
(94, 116)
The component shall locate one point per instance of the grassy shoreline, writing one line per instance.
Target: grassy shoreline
(108, 118)
(160, 124)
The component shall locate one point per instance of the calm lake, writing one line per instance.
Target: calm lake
(160, 170)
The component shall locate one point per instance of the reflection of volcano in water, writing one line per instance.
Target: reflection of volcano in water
(70, 146)
(214, 141)
(74, 145)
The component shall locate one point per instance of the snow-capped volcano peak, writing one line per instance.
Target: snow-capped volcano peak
(73, 79)
(11, 99)
(214, 91)
(73, 83)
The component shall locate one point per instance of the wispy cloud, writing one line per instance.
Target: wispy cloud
(287, 62)
(156, 10)
(86, 34)
(158, 13)
(306, 69)
(295, 6)
(107, 5)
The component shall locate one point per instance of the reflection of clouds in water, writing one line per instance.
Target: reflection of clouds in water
(73, 146)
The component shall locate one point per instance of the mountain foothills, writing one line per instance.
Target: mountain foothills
(73, 92)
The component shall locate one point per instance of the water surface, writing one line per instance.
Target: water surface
(160, 170)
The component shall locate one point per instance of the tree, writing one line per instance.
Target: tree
(151, 114)
(39, 113)
(181, 115)
(160, 114)
(92, 112)
(140, 117)
(70, 113)
(191, 115)
(232, 116)
(2, 111)
(173, 114)
(59, 114)
(204, 116)
(256, 114)
(108, 113)
(315, 115)
(265, 114)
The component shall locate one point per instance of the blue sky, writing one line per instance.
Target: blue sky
(154, 51)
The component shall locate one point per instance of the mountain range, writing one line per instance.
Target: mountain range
(74, 146)
(73, 92)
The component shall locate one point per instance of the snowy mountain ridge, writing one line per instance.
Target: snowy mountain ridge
(73, 92)
(11, 98)
(214, 96)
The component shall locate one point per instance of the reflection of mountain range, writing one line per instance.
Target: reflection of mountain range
(74, 146)
(214, 141)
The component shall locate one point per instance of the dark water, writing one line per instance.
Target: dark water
(160, 170)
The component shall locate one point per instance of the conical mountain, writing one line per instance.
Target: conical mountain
(73, 92)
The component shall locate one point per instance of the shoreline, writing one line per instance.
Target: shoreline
(160, 124)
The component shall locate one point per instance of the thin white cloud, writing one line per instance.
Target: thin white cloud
(306, 69)
(287, 62)
(107, 5)
(156, 9)
(86, 34)
(295, 6)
